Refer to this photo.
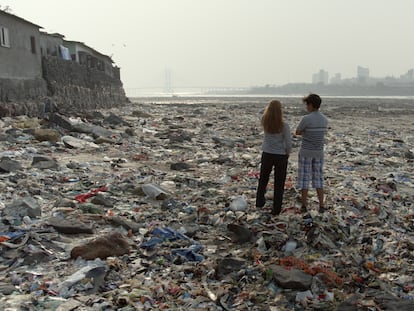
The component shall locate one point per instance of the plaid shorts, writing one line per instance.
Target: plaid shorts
(310, 168)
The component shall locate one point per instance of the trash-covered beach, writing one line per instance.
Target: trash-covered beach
(152, 207)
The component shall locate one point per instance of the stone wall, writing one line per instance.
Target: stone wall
(66, 87)
(22, 97)
(75, 88)
(12, 90)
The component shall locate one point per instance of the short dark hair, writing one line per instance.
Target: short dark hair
(313, 99)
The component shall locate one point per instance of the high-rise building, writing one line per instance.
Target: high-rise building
(321, 77)
(336, 79)
(362, 74)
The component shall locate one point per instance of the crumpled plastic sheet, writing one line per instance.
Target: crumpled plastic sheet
(168, 234)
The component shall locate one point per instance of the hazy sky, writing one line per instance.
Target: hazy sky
(234, 42)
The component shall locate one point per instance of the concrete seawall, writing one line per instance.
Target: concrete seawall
(65, 87)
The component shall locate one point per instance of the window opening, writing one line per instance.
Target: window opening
(4, 37)
(33, 44)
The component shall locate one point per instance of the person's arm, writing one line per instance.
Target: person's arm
(260, 114)
(288, 139)
(301, 127)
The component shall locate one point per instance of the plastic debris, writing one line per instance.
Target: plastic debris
(154, 209)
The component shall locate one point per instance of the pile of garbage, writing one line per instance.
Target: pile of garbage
(153, 208)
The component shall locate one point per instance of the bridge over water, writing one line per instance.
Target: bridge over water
(193, 90)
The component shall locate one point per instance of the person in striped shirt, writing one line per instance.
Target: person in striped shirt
(312, 128)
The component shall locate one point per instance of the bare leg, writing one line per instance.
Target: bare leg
(319, 192)
(304, 199)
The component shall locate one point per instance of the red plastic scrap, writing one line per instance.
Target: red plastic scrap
(255, 174)
(370, 265)
(235, 177)
(409, 216)
(293, 262)
(330, 277)
(408, 288)
(174, 290)
(289, 183)
(82, 197)
(141, 157)
(357, 278)
(4, 238)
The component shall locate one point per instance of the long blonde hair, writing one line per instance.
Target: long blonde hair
(272, 119)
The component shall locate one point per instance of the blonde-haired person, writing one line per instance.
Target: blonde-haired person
(276, 147)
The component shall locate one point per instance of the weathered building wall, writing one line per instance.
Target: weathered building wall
(21, 59)
(85, 55)
(49, 44)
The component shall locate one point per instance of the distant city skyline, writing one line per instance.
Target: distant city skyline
(234, 43)
(362, 75)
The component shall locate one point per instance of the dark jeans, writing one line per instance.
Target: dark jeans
(279, 162)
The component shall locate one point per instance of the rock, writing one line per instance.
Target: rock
(241, 234)
(44, 162)
(82, 127)
(140, 114)
(99, 131)
(46, 135)
(180, 166)
(115, 120)
(61, 121)
(23, 207)
(179, 137)
(92, 209)
(76, 143)
(130, 132)
(110, 245)
(291, 278)
(228, 265)
(126, 224)
(104, 140)
(91, 276)
(65, 202)
(401, 305)
(37, 257)
(8, 165)
(102, 199)
(28, 123)
(70, 226)
(7, 289)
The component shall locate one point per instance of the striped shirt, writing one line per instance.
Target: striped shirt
(313, 128)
